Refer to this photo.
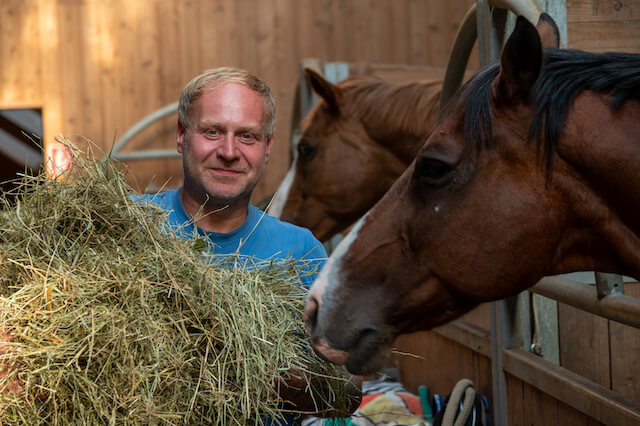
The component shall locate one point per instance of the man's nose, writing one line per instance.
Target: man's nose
(228, 148)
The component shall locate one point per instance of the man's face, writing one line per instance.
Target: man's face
(224, 149)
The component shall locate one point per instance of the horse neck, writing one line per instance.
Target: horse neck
(602, 147)
(400, 117)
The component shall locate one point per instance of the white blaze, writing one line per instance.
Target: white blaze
(329, 277)
(282, 193)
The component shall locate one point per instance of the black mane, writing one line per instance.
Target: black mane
(565, 74)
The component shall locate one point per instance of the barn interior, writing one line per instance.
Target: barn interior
(94, 70)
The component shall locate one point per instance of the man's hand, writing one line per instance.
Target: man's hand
(296, 392)
(12, 385)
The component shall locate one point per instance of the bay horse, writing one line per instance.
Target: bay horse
(532, 170)
(364, 133)
(355, 143)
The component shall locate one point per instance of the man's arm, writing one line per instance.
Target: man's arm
(294, 389)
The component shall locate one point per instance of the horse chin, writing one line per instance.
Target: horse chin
(364, 361)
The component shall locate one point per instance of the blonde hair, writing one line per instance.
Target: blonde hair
(217, 76)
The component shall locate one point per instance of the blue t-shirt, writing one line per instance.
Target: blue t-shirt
(260, 237)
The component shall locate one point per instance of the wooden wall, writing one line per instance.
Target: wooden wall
(97, 67)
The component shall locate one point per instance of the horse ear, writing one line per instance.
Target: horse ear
(327, 91)
(548, 31)
(520, 63)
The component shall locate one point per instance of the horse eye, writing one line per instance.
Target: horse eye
(306, 150)
(432, 169)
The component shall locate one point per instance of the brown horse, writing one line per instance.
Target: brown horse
(533, 170)
(364, 133)
(355, 143)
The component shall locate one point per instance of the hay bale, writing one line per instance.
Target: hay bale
(117, 320)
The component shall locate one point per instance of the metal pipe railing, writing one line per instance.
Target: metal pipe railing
(137, 128)
(615, 306)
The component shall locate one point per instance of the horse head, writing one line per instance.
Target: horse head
(343, 163)
(484, 211)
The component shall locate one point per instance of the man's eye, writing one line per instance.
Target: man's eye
(247, 138)
(213, 132)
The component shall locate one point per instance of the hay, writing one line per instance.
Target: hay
(116, 320)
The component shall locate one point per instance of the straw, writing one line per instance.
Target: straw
(117, 320)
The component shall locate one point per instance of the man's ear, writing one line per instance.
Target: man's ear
(180, 132)
(268, 148)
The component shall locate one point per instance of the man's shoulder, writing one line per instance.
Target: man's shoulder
(288, 235)
(274, 222)
(165, 199)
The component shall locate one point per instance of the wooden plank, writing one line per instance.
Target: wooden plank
(397, 18)
(465, 334)
(94, 66)
(20, 73)
(515, 402)
(51, 69)
(72, 58)
(572, 389)
(281, 75)
(540, 408)
(338, 49)
(360, 34)
(584, 344)
(625, 347)
(570, 416)
(418, 36)
(304, 29)
(614, 36)
(188, 32)
(267, 68)
(150, 91)
(581, 11)
(481, 377)
(320, 22)
(246, 18)
(437, 362)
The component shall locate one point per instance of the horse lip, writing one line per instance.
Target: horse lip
(363, 357)
(335, 356)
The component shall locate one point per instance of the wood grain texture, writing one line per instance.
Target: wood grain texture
(97, 67)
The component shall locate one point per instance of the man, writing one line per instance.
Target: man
(225, 131)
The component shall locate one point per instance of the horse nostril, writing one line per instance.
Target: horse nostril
(311, 313)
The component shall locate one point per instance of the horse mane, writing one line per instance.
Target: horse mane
(393, 107)
(565, 74)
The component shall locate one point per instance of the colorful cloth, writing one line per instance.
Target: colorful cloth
(385, 402)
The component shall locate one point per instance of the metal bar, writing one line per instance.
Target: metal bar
(592, 399)
(498, 377)
(142, 124)
(616, 307)
(459, 56)
(608, 284)
(145, 155)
